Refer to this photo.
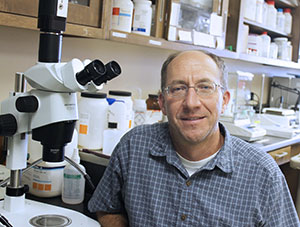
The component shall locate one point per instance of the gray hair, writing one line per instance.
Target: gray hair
(220, 63)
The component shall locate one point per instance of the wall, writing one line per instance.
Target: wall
(140, 65)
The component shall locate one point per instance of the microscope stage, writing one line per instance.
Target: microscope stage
(33, 209)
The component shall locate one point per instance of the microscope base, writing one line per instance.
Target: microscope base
(33, 209)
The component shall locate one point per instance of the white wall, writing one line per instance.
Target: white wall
(140, 65)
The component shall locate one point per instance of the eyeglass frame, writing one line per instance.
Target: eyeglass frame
(167, 88)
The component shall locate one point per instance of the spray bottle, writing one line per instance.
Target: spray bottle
(73, 182)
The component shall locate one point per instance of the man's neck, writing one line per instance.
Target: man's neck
(197, 152)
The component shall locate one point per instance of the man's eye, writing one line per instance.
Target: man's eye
(205, 86)
(176, 89)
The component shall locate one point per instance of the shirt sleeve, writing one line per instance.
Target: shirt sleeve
(280, 210)
(108, 194)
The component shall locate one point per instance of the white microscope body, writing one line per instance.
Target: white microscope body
(49, 112)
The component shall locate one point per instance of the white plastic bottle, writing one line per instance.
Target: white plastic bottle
(117, 113)
(259, 11)
(73, 182)
(92, 108)
(140, 111)
(250, 9)
(271, 15)
(280, 20)
(265, 44)
(273, 50)
(126, 97)
(142, 17)
(287, 20)
(111, 137)
(122, 11)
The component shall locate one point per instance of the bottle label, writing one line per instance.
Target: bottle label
(84, 119)
(71, 176)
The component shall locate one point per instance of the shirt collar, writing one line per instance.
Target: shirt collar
(164, 147)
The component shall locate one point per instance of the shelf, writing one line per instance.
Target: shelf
(136, 39)
(19, 21)
(286, 3)
(259, 28)
(269, 61)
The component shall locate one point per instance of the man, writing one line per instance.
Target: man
(190, 171)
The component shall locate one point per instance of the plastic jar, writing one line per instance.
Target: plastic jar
(265, 44)
(282, 47)
(271, 15)
(273, 50)
(126, 97)
(92, 108)
(280, 20)
(142, 17)
(122, 11)
(259, 11)
(117, 114)
(287, 20)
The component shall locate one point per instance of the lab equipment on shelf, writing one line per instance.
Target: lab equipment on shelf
(239, 117)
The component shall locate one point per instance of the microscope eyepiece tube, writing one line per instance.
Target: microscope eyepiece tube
(91, 72)
(113, 69)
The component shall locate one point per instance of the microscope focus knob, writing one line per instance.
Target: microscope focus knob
(27, 104)
(8, 125)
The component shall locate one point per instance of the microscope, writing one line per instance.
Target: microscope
(49, 112)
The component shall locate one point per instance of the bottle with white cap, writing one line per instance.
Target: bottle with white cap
(73, 182)
(122, 11)
(142, 17)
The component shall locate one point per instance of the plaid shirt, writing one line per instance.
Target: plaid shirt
(145, 180)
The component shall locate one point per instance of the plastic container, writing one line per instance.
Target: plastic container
(271, 15)
(117, 113)
(73, 182)
(280, 20)
(265, 44)
(273, 50)
(259, 11)
(254, 44)
(250, 9)
(122, 11)
(265, 13)
(93, 109)
(45, 179)
(289, 51)
(140, 111)
(142, 17)
(287, 20)
(282, 47)
(126, 97)
(111, 138)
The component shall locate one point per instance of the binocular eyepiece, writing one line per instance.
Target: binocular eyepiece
(99, 73)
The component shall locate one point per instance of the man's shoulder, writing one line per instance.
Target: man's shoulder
(252, 155)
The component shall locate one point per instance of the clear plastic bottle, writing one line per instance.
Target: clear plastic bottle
(280, 20)
(287, 20)
(122, 11)
(282, 47)
(265, 44)
(142, 17)
(73, 182)
(117, 113)
(271, 15)
(250, 9)
(289, 51)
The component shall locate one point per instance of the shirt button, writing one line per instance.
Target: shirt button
(183, 217)
(188, 183)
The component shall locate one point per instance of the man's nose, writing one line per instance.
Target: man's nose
(192, 99)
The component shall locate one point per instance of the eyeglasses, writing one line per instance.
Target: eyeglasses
(202, 89)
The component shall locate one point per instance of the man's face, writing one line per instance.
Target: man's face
(193, 118)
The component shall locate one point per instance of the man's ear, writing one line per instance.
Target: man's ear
(226, 98)
(161, 101)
